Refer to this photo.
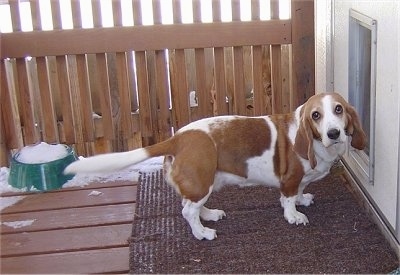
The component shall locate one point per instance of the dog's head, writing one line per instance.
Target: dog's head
(328, 118)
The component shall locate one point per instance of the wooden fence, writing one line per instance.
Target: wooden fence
(122, 87)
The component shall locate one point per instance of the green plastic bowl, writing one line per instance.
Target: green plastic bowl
(41, 176)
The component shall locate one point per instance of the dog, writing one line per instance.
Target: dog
(287, 151)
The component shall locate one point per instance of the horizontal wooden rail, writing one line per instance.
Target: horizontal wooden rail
(144, 38)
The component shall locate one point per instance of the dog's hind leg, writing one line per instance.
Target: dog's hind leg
(191, 212)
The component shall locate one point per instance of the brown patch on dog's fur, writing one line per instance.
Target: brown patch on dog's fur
(238, 140)
(287, 166)
(194, 165)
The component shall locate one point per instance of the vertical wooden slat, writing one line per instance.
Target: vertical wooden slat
(15, 15)
(220, 108)
(286, 78)
(4, 152)
(68, 128)
(149, 86)
(67, 132)
(239, 101)
(125, 100)
(75, 92)
(179, 90)
(30, 131)
(108, 103)
(83, 92)
(47, 112)
(258, 91)
(276, 66)
(9, 104)
(303, 50)
(125, 126)
(143, 85)
(163, 115)
(86, 101)
(75, 104)
(204, 96)
(53, 73)
(4, 117)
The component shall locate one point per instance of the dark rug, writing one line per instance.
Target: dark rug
(255, 237)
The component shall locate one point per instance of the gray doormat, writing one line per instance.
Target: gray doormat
(254, 237)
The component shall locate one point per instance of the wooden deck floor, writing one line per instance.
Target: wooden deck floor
(72, 232)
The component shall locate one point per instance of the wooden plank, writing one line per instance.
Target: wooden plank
(70, 218)
(114, 260)
(48, 116)
(276, 67)
(75, 105)
(239, 97)
(220, 107)
(303, 50)
(179, 87)
(161, 84)
(145, 114)
(4, 152)
(78, 198)
(142, 38)
(77, 239)
(267, 82)
(105, 96)
(258, 91)
(286, 79)
(46, 109)
(204, 96)
(239, 101)
(90, 185)
(164, 114)
(25, 96)
(15, 15)
(103, 88)
(65, 97)
(67, 133)
(85, 100)
(125, 124)
(12, 122)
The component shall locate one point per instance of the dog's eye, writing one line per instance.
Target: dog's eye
(339, 109)
(316, 115)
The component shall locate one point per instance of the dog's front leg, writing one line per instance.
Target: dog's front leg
(304, 199)
(290, 212)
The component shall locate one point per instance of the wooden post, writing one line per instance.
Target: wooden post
(303, 51)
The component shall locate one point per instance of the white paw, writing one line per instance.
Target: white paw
(296, 217)
(204, 233)
(211, 214)
(305, 199)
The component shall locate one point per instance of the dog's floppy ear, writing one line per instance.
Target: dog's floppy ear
(354, 129)
(303, 144)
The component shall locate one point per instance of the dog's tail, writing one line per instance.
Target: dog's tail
(116, 161)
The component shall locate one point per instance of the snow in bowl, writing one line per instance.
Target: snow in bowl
(41, 166)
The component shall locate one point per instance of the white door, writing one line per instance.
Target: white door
(359, 45)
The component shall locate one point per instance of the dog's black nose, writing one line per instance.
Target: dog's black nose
(333, 133)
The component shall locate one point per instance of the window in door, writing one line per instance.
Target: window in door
(362, 78)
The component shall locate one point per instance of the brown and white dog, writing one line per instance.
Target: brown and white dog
(286, 151)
